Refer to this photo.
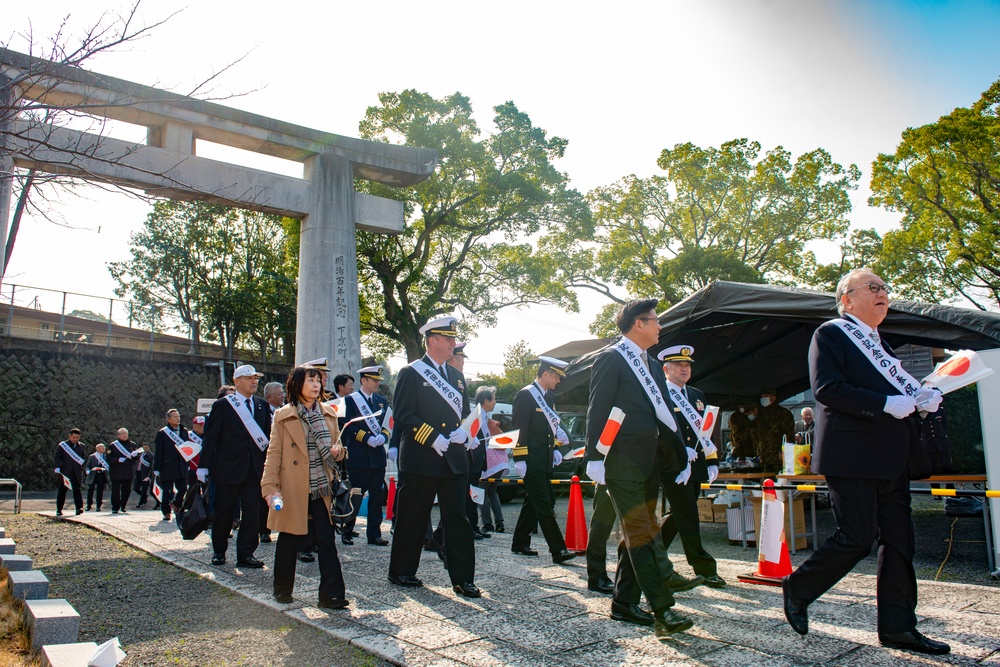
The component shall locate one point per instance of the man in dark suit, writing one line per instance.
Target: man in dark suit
(533, 415)
(121, 456)
(863, 435)
(428, 408)
(366, 460)
(623, 378)
(169, 467)
(69, 461)
(704, 459)
(236, 436)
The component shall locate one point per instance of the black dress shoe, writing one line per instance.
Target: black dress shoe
(487, 528)
(379, 542)
(669, 622)
(678, 583)
(283, 598)
(59, 513)
(265, 538)
(79, 512)
(476, 535)
(307, 557)
(524, 551)
(500, 527)
(563, 556)
(250, 562)
(431, 545)
(630, 613)
(123, 511)
(218, 559)
(796, 611)
(405, 580)
(347, 539)
(355, 533)
(913, 641)
(601, 585)
(714, 581)
(114, 511)
(333, 603)
(468, 589)
(482, 533)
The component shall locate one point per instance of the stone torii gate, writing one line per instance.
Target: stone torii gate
(167, 165)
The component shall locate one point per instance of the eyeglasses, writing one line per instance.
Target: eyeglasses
(875, 288)
(648, 319)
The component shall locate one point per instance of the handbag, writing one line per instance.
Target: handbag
(193, 517)
(342, 503)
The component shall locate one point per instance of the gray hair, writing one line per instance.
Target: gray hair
(485, 393)
(845, 282)
(272, 387)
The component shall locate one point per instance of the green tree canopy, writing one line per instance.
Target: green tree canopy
(467, 248)
(518, 372)
(724, 213)
(223, 271)
(945, 179)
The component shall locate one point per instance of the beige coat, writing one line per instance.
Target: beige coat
(286, 469)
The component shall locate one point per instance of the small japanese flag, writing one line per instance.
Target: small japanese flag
(189, 450)
(474, 422)
(575, 453)
(66, 482)
(338, 406)
(389, 422)
(478, 495)
(506, 440)
(157, 491)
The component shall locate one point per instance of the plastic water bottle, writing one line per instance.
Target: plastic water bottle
(277, 503)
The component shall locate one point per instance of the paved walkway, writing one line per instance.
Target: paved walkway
(536, 613)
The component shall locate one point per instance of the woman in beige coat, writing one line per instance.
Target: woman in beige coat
(301, 469)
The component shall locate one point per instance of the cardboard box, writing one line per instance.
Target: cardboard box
(800, 520)
(705, 513)
(719, 512)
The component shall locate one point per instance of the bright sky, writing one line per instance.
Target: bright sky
(620, 82)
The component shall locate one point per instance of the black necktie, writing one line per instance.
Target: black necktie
(250, 406)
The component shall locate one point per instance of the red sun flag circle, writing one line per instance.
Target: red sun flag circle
(955, 366)
(188, 450)
(709, 421)
(504, 440)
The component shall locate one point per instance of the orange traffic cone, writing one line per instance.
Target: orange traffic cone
(391, 500)
(773, 562)
(576, 519)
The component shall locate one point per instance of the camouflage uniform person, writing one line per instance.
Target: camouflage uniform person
(773, 422)
(741, 432)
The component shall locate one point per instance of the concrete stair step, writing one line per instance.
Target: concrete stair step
(15, 562)
(68, 655)
(28, 585)
(51, 622)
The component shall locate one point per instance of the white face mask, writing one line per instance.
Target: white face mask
(742, 409)
(751, 417)
(765, 401)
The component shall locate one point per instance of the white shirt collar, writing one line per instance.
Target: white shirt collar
(865, 329)
(632, 345)
(675, 386)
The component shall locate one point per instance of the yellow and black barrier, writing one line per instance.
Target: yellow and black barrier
(504, 480)
(813, 488)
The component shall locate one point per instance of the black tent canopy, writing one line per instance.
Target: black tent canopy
(748, 336)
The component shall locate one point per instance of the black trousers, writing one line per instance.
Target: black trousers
(867, 510)
(172, 488)
(639, 553)
(99, 482)
(416, 497)
(331, 577)
(120, 491)
(538, 510)
(602, 521)
(247, 495)
(683, 519)
(369, 480)
(61, 492)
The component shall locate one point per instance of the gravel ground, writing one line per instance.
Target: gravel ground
(162, 614)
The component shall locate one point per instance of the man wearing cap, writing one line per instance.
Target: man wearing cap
(864, 432)
(366, 460)
(236, 437)
(646, 443)
(689, 409)
(477, 455)
(533, 415)
(773, 426)
(121, 457)
(428, 409)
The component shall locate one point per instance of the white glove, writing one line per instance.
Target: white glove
(709, 448)
(156, 473)
(136, 453)
(692, 454)
(393, 453)
(899, 407)
(376, 440)
(684, 476)
(713, 474)
(57, 471)
(561, 436)
(440, 445)
(471, 443)
(595, 471)
(928, 399)
(458, 436)
(521, 467)
(556, 457)
(121, 460)
(202, 475)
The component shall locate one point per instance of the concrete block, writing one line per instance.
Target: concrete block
(3, 532)
(7, 545)
(68, 655)
(15, 562)
(51, 622)
(28, 585)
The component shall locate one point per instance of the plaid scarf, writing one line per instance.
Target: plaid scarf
(318, 446)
